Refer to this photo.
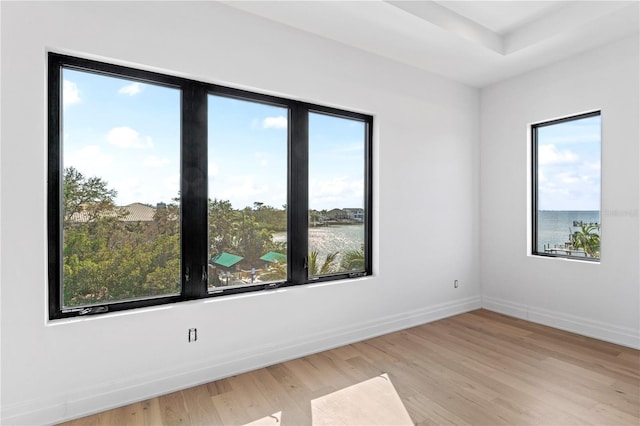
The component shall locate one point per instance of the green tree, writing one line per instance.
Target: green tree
(328, 266)
(223, 227)
(167, 218)
(252, 238)
(269, 217)
(353, 260)
(588, 239)
(106, 258)
(87, 206)
(88, 195)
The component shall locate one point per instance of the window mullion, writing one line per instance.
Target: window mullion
(54, 210)
(534, 190)
(193, 193)
(298, 216)
(368, 198)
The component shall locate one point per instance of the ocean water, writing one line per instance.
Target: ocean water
(555, 227)
(329, 239)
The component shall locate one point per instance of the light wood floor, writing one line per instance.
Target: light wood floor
(479, 368)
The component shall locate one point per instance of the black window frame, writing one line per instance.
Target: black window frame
(534, 185)
(194, 185)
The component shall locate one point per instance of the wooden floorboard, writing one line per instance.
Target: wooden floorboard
(478, 368)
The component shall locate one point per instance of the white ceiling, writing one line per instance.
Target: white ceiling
(475, 42)
(502, 17)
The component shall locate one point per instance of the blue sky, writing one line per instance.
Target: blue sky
(569, 165)
(336, 162)
(128, 134)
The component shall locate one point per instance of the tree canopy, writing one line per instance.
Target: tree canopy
(109, 258)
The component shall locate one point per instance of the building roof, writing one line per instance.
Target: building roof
(226, 259)
(139, 212)
(134, 212)
(274, 257)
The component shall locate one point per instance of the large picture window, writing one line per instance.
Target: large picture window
(163, 189)
(566, 187)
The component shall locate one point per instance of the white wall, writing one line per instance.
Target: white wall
(425, 189)
(597, 299)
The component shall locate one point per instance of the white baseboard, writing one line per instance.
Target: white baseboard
(624, 336)
(69, 405)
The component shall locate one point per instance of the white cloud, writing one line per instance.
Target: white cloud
(153, 161)
(213, 169)
(147, 187)
(339, 191)
(126, 137)
(172, 185)
(131, 89)
(340, 185)
(549, 154)
(568, 178)
(130, 190)
(239, 190)
(552, 188)
(90, 160)
(279, 122)
(262, 158)
(569, 190)
(541, 176)
(70, 93)
(592, 166)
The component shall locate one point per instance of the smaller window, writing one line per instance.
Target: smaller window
(566, 187)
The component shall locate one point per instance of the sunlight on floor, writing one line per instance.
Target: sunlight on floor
(372, 402)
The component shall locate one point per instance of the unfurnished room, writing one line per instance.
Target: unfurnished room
(320, 212)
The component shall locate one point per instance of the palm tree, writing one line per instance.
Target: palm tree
(353, 260)
(588, 239)
(327, 266)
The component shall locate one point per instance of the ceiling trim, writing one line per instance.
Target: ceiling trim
(450, 39)
(550, 24)
(452, 22)
(565, 19)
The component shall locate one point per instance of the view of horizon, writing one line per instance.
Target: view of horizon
(568, 186)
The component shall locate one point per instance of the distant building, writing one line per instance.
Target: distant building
(355, 214)
(337, 214)
(139, 212)
(134, 212)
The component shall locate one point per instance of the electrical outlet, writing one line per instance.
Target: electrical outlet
(455, 283)
(193, 334)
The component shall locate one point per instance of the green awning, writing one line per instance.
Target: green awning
(274, 257)
(226, 259)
